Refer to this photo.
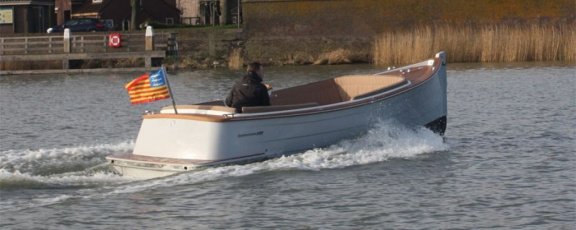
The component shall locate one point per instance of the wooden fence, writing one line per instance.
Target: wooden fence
(84, 47)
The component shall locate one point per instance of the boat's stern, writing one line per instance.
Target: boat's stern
(170, 143)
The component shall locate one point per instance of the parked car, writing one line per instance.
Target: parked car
(79, 25)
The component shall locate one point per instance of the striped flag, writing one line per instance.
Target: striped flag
(148, 87)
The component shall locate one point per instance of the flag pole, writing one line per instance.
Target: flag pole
(169, 89)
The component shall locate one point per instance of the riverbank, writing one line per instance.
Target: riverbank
(487, 43)
(231, 48)
(505, 42)
(551, 42)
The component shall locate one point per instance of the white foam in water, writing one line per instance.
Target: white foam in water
(383, 142)
(64, 168)
(386, 141)
(57, 167)
(22, 180)
(81, 151)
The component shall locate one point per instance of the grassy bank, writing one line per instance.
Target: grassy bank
(490, 43)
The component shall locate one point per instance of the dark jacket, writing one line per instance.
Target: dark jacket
(248, 91)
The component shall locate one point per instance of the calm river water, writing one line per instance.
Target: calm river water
(508, 160)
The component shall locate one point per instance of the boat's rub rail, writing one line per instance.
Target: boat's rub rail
(157, 160)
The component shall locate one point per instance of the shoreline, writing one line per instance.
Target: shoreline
(232, 48)
(452, 65)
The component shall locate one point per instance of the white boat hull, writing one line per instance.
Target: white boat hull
(173, 143)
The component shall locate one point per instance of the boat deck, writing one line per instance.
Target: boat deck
(334, 91)
(330, 91)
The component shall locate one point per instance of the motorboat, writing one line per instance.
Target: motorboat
(181, 138)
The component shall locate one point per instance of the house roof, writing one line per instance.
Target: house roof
(89, 9)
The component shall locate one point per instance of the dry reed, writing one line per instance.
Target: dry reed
(339, 56)
(235, 59)
(495, 43)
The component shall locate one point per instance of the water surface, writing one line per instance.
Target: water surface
(507, 160)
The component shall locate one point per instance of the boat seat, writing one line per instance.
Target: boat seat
(344, 88)
(272, 108)
(321, 92)
(353, 87)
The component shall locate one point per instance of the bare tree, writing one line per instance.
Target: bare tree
(135, 6)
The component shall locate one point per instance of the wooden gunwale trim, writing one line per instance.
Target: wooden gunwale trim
(196, 117)
(414, 80)
(220, 108)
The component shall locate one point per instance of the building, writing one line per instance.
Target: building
(64, 8)
(190, 11)
(117, 13)
(36, 16)
(209, 12)
(26, 16)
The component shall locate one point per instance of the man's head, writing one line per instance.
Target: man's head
(255, 67)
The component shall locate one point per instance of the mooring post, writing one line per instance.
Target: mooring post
(67, 49)
(66, 40)
(149, 38)
(149, 46)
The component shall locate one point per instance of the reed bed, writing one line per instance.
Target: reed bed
(235, 60)
(493, 43)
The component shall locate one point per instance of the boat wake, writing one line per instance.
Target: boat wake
(386, 141)
(82, 172)
(57, 168)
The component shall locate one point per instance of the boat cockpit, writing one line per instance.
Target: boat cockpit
(325, 92)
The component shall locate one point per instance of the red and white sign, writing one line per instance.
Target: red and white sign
(114, 40)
